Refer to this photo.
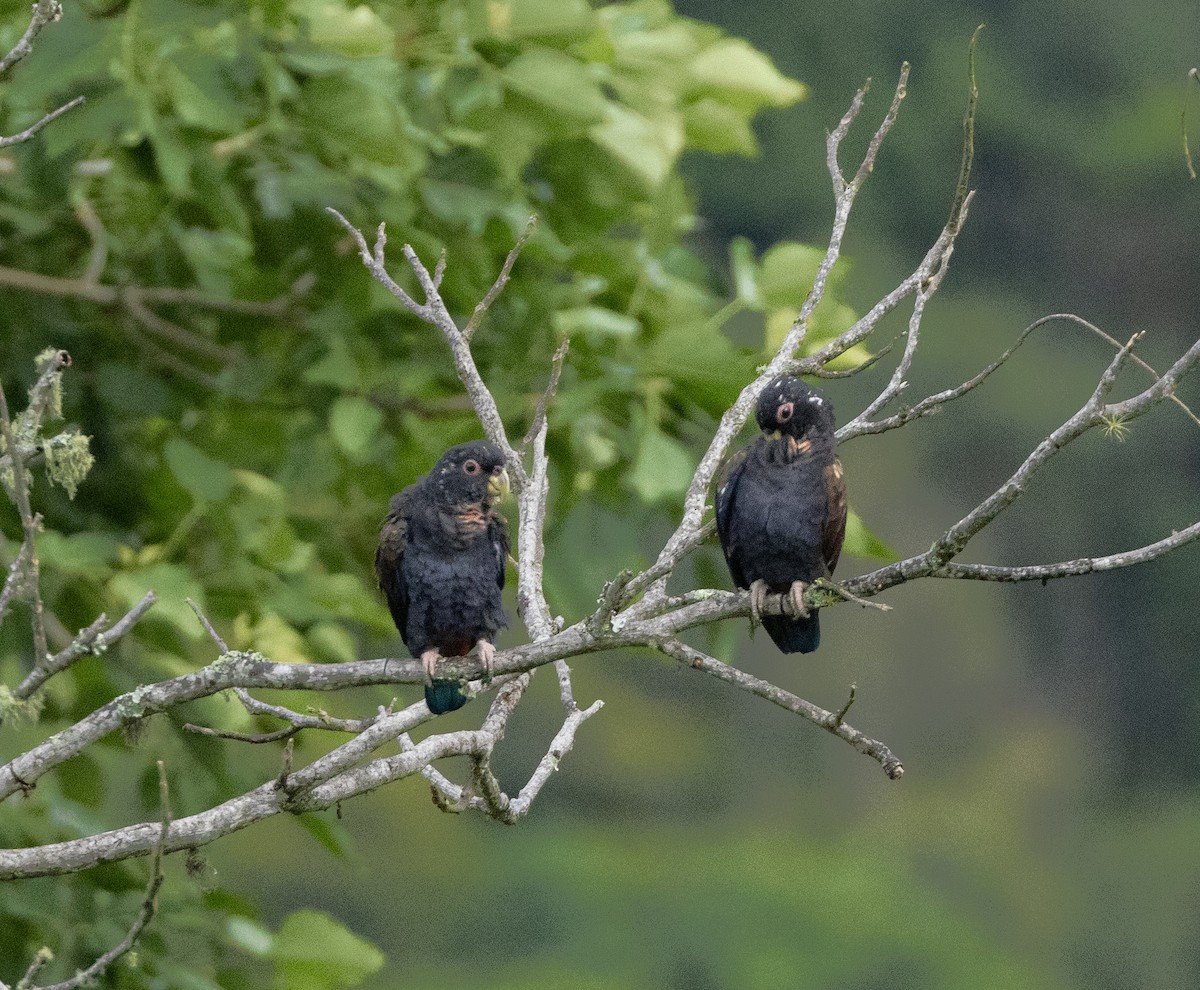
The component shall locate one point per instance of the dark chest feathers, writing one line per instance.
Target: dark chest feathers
(453, 569)
(777, 509)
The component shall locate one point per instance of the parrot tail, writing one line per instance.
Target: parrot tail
(445, 696)
(794, 635)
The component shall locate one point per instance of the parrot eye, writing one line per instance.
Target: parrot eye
(471, 467)
(783, 413)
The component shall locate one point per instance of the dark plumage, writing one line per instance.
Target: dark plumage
(440, 563)
(781, 508)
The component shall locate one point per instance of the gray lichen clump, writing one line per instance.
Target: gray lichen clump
(68, 459)
(236, 660)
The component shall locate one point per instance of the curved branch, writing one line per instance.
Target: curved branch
(832, 722)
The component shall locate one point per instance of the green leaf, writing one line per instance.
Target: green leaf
(249, 936)
(330, 641)
(103, 116)
(173, 584)
(337, 368)
(206, 479)
(461, 204)
(356, 33)
(592, 443)
(314, 951)
(171, 155)
(330, 834)
(558, 82)
(861, 542)
(508, 19)
(737, 73)
(86, 554)
(347, 596)
(745, 272)
(788, 270)
(595, 320)
(349, 115)
(649, 149)
(213, 255)
(275, 638)
(201, 95)
(662, 469)
(354, 423)
(717, 127)
(279, 549)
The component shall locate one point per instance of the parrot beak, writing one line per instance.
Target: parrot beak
(777, 435)
(498, 485)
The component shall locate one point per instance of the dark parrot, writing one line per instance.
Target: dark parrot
(781, 508)
(441, 559)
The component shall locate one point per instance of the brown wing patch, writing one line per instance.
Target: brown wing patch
(390, 551)
(833, 533)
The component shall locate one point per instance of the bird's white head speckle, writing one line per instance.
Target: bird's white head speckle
(816, 400)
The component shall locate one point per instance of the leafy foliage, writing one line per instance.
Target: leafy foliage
(243, 460)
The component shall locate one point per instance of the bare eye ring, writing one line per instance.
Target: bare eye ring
(471, 467)
(783, 413)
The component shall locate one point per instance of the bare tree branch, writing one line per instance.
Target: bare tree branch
(501, 279)
(30, 524)
(95, 639)
(829, 721)
(30, 131)
(633, 610)
(44, 12)
(135, 302)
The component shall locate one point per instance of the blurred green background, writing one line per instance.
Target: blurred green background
(1045, 832)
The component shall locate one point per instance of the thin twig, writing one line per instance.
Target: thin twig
(44, 12)
(30, 524)
(266, 737)
(87, 977)
(831, 722)
(91, 640)
(543, 403)
(501, 280)
(208, 626)
(29, 132)
(1193, 74)
(90, 220)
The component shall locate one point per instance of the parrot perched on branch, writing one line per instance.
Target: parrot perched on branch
(441, 560)
(781, 508)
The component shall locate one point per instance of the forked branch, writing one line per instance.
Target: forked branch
(633, 610)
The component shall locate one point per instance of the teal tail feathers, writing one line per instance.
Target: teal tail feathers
(445, 696)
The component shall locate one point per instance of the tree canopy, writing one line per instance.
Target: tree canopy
(253, 397)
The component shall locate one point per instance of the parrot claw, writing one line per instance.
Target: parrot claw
(796, 597)
(429, 661)
(758, 598)
(487, 656)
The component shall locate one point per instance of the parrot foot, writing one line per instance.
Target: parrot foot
(758, 598)
(487, 657)
(429, 661)
(796, 597)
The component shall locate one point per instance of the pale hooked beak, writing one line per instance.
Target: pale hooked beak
(498, 485)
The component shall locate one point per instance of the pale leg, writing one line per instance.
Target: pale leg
(758, 597)
(796, 595)
(429, 661)
(487, 657)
